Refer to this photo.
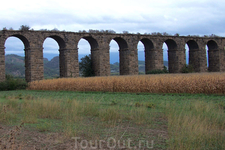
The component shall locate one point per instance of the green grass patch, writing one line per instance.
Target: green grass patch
(172, 121)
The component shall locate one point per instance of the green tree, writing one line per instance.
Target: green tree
(85, 65)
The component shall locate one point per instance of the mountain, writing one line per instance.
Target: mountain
(51, 68)
(15, 66)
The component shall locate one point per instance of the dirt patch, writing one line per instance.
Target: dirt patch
(26, 138)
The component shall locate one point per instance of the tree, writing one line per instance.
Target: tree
(24, 28)
(85, 65)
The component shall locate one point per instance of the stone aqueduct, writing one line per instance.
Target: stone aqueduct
(99, 42)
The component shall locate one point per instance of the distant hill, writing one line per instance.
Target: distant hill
(15, 66)
(51, 68)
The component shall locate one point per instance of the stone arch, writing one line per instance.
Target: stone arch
(148, 44)
(59, 40)
(173, 63)
(26, 44)
(212, 45)
(62, 57)
(213, 56)
(149, 56)
(172, 45)
(121, 42)
(22, 38)
(193, 45)
(93, 42)
(194, 56)
(123, 55)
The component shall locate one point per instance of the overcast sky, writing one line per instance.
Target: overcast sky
(186, 17)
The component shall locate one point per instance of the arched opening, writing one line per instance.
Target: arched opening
(165, 55)
(170, 46)
(16, 48)
(84, 49)
(87, 49)
(207, 56)
(147, 63)
(51, 58)
(213, 56)
(192, 55)
(114, 58)
(141, 57)
(187, 53)
(57, 65)
(123, 56)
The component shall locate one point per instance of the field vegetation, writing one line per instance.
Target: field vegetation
(172, 111)
(207, 83)
(172, 121)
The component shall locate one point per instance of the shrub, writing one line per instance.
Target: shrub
(165, 70)
(177, 34)
(187, 69)
(158, 71)
(12, 84)
(24, 28)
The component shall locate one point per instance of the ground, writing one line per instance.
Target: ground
(53, 133)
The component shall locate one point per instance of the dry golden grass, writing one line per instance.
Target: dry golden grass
(208, 83)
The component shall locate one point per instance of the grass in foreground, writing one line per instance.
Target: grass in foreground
(172, 121)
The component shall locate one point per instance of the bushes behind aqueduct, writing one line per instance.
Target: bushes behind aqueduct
(158, 71)
(12, 84)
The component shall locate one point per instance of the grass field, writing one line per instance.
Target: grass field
(49, 120)
(207, 83)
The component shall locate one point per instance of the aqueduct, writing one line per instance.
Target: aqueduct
(99, 42)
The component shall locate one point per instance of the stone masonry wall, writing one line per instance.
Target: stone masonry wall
(2, 63)
(153, 60)
(176, 60)
(222, 55)
(214, 56)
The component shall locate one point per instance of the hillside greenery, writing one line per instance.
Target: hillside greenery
(15, 66)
